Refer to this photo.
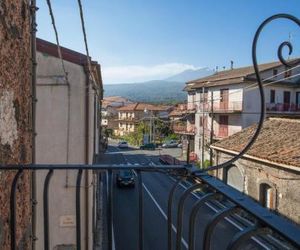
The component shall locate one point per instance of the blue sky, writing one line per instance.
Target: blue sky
(139, 40)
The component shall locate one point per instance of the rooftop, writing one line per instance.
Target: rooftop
(231, 76)
(67, 54)
(142, 106)
(278, 142)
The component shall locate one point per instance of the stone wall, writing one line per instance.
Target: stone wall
(15, 116)
(285, 184)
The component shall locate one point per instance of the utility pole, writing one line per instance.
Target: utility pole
(211, 127)
(203, 130)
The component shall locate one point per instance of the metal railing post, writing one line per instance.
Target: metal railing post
(141, 211)
(46, 209)
(182, 199)
(78, 210)
(193, 215)
(13, 210)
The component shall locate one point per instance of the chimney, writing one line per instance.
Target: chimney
(231, 64)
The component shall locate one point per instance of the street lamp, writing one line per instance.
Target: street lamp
(150, 125)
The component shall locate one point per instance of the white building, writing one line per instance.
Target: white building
(67, 133)
(231, 101)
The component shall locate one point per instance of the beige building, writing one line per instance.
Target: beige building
(269, 172)
(228, 101)
(132, 114)
(67, 132)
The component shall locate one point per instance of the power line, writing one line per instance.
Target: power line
(95, 87)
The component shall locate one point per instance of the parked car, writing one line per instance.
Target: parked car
(123, 144)
(170, 144)
(125, 178)
(149, 146)
(179, 145)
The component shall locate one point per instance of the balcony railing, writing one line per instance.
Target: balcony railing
(266, 229)
(229, 107)
(282, 107)
(185, 129)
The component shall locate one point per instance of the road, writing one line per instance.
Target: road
(156, 188)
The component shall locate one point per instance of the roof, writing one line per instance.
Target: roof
(142, 106)
(114, 101)
(67, 54)
(278, 142)
(232, 76)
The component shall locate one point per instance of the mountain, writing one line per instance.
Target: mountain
(158, 91)
(166, 91)
(190, 74)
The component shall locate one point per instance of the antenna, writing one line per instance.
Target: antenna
(231, 64)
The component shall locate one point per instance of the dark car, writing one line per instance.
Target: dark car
(149, 146)
(125, 178)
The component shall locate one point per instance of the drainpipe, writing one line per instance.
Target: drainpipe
(87, 124)
(33, 10)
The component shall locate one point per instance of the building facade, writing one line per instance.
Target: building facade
(228, 101)
(67, 133)
(132, 114)
(269, 172)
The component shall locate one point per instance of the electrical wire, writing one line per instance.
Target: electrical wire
(95, 87)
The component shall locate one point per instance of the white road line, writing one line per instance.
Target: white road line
(164, 215)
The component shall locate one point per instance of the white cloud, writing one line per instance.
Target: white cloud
(138, 73)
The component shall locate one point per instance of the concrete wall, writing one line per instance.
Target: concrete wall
(284, 182)
(61, 142)
(15, 118)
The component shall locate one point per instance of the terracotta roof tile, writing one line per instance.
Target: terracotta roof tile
(279, 141)
(142, 106)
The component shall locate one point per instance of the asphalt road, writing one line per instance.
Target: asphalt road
(156, 188)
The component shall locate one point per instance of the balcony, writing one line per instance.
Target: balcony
(282, 108)
(226, 107)
(185, 129)
(201, 211)
(127, 119)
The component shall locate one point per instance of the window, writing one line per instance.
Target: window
(288, 72)
(272, 96)
(266, 196)
(275, 72)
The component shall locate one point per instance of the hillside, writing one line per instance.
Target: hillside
(159, 91)
(166, 91)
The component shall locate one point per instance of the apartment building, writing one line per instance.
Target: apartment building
(228, 101)
(109, 111)
(132, 114)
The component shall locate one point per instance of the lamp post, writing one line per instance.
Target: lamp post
(150, 125)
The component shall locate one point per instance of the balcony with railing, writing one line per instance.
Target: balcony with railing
(282, 108)
(225, 107)
(184, 129)
(248, 225)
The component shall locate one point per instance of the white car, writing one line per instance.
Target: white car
(170, 144)
(123, 144)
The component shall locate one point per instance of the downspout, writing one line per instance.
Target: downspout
(33, 10)
(87, 124)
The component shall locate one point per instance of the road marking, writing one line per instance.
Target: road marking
(164, 215)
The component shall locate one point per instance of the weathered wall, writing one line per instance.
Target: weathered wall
(15, 106)
(284, 182)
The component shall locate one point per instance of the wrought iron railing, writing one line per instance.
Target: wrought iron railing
(270, 227)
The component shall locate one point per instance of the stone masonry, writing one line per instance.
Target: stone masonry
(15, 116)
